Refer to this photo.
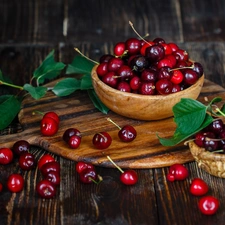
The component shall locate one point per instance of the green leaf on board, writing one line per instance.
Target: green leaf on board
(49, 69)
(9, 108)
(86, 82)
(97, 102)
(35, 92)
(66, 86)
(80, 65)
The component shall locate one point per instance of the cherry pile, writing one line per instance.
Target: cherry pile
(148, 67)
(207, 204)
(212, 138)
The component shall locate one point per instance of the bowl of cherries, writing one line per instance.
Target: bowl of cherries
(144, 79)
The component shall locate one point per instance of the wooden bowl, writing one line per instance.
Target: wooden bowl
(142, 107)
(212, 163)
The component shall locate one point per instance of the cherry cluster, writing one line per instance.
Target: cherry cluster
(212, 138)
(48, 167)
(148, 67)
(207, 204)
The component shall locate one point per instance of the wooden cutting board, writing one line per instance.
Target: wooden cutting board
(77, 111)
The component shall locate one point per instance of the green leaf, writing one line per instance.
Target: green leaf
(86, 82)
(35, 92)
(97, 102)
(49, 69)
(189, 115)
(4, 78)
(80, 65)
(66, 86)
(9, 108)
(178, 137)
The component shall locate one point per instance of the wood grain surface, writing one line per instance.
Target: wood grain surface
(77, 111)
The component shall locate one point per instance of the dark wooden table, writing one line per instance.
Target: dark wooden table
(31, 29)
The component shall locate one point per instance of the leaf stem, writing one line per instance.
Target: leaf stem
(11, 85)
(218, 110)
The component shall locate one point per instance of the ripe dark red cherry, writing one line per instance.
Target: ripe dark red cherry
(88, 176)
(135, 83)
(190, 77)
(114, 64)
(177, 172)
(102, 69)
(164, 87)
(198, 187)
(129, 177)
(27, 161)
(155, 53)
(119, 48)
(80, 166)
(69, 133)
(149, 75)
(74, 141)
(52, 115)
(53, 177)
(111, 79)
(133, 46)
(46, 189)
(50, 166)
(15, 182)
(124, 86)
(21, 146)
(147, 88)
(102, 140)
(208, 205)
(125, 72)
(45, 159)
(6, 156)
(49, 126)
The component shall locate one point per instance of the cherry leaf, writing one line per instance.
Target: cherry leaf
(49, 69)
(66, 86)
(35, 92)
(86, 82)
(9, 108)
(80, 65)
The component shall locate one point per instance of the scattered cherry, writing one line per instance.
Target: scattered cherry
(53, 177)
(27, 161)
(208, 205)
(102, 140)
(198, 187)
(49, 126)
(45, 159)
(50, 166)
(52, 115)
(88, 176)
(21, 146)
(6, 156)
(74, 141)
(69, 133)
(80, 166)
(177, 172)
(46, 189)
(15, 182)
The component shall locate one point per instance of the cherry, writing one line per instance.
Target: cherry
(144, 46)
(197, 67)
(27, 161)
(128, 177)
(125, 72)
(6, 156)
(119, 48)
(114, 64)
(110, 79)
(88, 176)
(127, 133)
(102, 140)
(74, 141)
(216, 126)
(49, 126)
(68, 133)
(50, 166)
(199, 138)
(147, 88)
(135, 83)
(102, 69)
(105, 58)
(52, 115)
(181, 55)
(45, 159)
(190, 77)
(177, 172)
(167, 48)
(80, 166)
(46, 189)
(164, 73)
(198, 187)
(155, 53)
(149, 75)
(53, 177)
(15, 182)
(159, 40)
(164, 86)
(133, 46)
(173, 47)
(208, 205)
(165, 62)
(124, 86)
(176, 88)
(177, 77)
(21, 146)
(139, 63)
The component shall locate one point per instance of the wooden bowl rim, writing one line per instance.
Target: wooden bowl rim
(147, 97)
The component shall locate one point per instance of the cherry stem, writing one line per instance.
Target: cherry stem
(114, 123)
(218, 110)
(181, 68)
(115, 164)
(76, 49)
(132, 26)
(39, 112)
(94, 181)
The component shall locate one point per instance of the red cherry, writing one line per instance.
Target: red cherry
(20, 147)
(208, 205)
(6, 156)
(88, 176)
(135, 83)
(80, 166)
(102, 69)
(27, 161)
(173, 47)
(70, 132)
(129, 177)
(127, 133)
(49, 126)
(198, 187)
(45, 159)
(102, 140)
(50, 166)
(15, 182)
(177, 77)
(53, 177)
(52, 115)
(164, 86)
(74, 141)
(167, 48)
(179, 172)
(46, 189)
(119, 48)
(144, 46)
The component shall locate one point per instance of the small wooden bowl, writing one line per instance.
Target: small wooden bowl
(212, 163)
(142, 107)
